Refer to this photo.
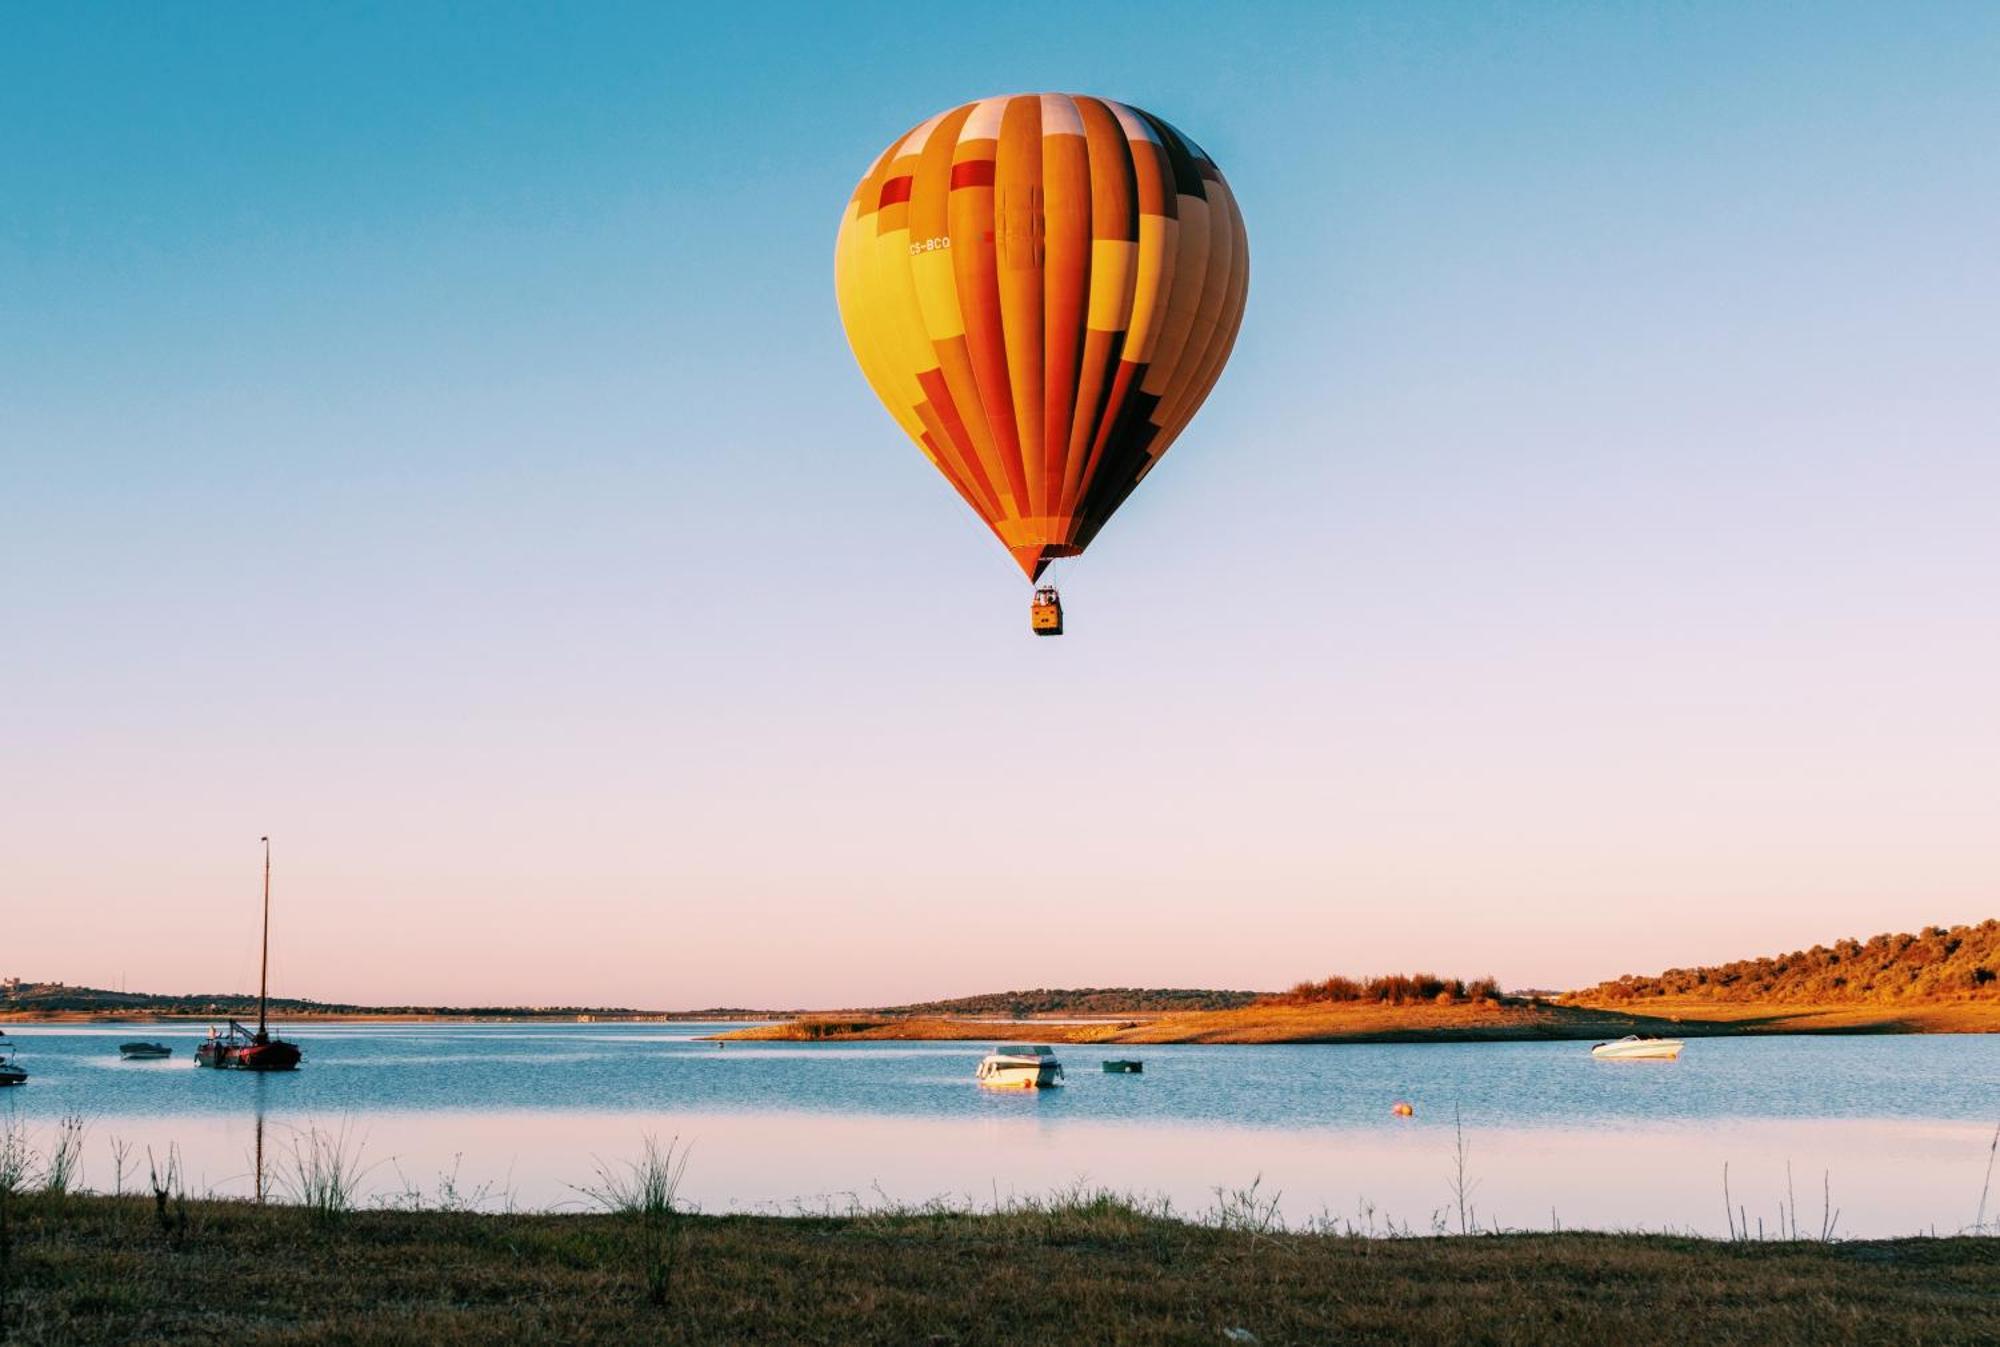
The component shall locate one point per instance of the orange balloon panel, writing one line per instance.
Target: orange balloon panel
(1042, 289)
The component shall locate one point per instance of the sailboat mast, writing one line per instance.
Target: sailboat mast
(264, 964)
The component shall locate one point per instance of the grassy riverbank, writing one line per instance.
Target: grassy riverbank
(1090, 1269)
(1371, 1022)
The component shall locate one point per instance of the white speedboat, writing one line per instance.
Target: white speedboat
(1632, 1047)
(1021, 1066)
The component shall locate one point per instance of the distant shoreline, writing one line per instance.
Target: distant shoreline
(382, 1017)
(1367, 1022)
(1509, 1020)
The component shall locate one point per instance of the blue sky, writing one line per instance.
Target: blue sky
(426, 435)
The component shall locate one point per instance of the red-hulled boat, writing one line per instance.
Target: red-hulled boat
(239, 1049)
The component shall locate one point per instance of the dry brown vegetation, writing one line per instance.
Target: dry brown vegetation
(1696, 1015)
(1419, 1022)
(1935, 964)
(1332, 1022)
(1084, 1268)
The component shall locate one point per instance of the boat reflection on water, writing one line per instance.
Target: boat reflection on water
(258, 1172)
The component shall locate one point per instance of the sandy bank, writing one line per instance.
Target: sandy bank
(1372, 1023)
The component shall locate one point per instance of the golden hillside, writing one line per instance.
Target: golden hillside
(1935, 964)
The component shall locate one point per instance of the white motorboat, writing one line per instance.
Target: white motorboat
(1021, 1066)
(1635, 1048)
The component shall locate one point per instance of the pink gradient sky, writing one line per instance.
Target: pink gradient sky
(449, 463)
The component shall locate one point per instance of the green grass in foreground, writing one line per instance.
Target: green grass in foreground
(1084, 1269)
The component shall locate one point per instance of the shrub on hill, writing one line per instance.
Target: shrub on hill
(1395, 989)
(1935, 964)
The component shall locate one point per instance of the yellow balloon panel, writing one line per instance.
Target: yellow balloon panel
(1042, 289)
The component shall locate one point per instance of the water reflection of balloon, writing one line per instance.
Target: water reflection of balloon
(1042, 289)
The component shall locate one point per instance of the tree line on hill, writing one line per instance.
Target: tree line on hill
(55, 998)
(1392, 989)
(1077, 1001)
(1937, 963)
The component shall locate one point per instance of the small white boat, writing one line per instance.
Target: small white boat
(1634, 1048)
(1020, 1066)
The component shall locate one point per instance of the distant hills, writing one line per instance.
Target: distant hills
(54, 998)
(21, 998)
(1077, 1001)
(1936, 964)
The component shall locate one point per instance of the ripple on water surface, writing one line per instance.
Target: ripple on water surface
(1901, 1122)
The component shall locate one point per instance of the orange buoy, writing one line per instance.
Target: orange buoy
(1401, 1108)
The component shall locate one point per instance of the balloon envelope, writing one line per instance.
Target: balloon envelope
(1042, 289)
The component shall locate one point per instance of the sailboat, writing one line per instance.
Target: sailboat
(239, 1049)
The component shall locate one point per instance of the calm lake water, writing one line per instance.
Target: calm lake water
(1896, 1129)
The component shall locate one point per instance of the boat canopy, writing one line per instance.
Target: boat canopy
(1024, 1050)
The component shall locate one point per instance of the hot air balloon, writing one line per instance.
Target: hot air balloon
(1042, 289)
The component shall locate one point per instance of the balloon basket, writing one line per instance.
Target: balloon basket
(1045, 616)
